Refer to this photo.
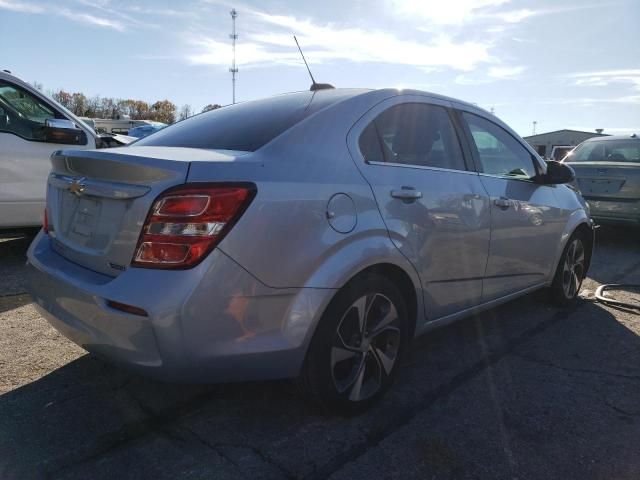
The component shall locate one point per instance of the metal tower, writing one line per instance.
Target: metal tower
(233, 68)
(534, 127)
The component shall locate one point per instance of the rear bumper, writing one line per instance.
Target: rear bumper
(623, 211)
(212, 323)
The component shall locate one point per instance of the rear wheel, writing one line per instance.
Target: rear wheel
(355, 352)
(570, 272)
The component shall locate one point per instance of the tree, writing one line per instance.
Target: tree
(185, 112)
(37, 85)
(211, 106)
(78, 104)
(163, 111)
(63, 98)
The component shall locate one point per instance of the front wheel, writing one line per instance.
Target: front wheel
(356, 349)
(570, 272)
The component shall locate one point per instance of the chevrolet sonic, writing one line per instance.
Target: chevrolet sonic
(310, 235)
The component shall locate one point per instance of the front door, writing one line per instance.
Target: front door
(526, 223)
(435, 209)
(24, 155)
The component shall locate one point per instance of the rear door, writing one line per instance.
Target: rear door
(526, 223)
(434, 207)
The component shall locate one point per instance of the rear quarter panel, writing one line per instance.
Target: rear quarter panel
(284, 238)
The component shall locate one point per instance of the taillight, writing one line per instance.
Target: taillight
(187, 222)
(45, 222)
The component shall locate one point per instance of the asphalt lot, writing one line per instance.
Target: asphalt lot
(524, 391)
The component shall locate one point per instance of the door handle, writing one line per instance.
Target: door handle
(407, 194)
(502, 202)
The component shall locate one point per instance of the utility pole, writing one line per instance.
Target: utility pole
(233, 68)
(534, 127)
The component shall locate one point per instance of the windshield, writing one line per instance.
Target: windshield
(606, 151)
(243, 126)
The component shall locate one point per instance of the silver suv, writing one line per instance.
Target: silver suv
(309, 235)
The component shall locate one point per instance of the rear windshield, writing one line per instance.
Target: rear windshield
(606, 151)
(243, 126)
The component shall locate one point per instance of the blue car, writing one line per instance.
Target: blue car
(144, 130)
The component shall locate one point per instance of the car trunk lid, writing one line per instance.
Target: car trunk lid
(608, 180)
(97, 201)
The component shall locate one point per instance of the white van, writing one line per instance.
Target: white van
(32, 127)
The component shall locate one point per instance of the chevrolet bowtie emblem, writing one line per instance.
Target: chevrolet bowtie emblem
(77, 187)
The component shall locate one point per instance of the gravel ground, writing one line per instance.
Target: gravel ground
(524, 391)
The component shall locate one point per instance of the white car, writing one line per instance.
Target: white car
(32, 127)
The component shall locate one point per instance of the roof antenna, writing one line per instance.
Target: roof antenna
(314, 86)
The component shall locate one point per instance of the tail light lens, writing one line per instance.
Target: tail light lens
(186, 223)
(45, 222)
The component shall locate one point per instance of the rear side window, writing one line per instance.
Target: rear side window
(243, 126)
(606, 151)
(413, 134)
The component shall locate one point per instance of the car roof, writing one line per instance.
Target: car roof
(613, 137)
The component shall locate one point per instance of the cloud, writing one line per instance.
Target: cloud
(99, 14)
(494, 73)
(22, 7)
(588, 101)
(606, 77)
(329, 42)
(450, 12)
(91, 19)
(506, 72)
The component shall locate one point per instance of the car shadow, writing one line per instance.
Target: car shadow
(522, 383)
(617, 253)
(13, 256)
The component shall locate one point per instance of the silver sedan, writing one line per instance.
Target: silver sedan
(310, 235)
(608, 175)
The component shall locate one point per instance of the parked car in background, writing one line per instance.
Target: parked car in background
(558, 152)
(145, 130)
(32, 127)
(308, 235)
(608, 175)
(120, 125)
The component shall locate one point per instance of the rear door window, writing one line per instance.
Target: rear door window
(413, 134)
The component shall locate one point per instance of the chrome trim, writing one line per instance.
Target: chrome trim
(98, 188)
(420, 167)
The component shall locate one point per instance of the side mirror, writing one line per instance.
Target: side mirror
(558, 173)
(59, 130)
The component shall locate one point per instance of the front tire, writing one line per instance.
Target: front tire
(570, 272)
(355, 352)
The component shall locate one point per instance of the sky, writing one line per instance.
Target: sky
(563, 63)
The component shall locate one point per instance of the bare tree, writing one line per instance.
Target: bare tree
(185, 112)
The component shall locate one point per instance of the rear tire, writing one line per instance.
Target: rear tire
(355, 352)
(570, 272)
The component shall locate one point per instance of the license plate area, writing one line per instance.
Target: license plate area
(88, 223)
(85, 217)
(600, 186)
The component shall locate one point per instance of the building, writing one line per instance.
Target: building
(543, 143)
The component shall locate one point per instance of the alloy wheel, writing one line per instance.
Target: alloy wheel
(365, 347)
(573, 268)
